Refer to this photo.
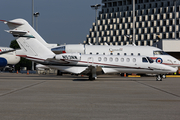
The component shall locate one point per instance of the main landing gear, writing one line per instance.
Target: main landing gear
(159, 77)
(92, 78)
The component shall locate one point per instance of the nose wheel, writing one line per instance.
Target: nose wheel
(164, 76)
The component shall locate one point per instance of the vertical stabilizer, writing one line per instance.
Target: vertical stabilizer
(21, 28)
(33, 47)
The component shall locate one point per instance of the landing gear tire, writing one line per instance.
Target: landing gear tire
(59, 73)
(91, 78)
(159, 78)
(164, 76)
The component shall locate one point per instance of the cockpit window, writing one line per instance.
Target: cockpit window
(144, 59)
(150, 60)
(159, 53)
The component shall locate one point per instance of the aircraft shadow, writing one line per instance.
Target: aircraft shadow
(82, 80)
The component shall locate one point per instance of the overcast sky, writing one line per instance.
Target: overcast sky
(60, 21)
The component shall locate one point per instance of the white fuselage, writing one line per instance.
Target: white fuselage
(11, 57)
(110, 64)
(154, 53)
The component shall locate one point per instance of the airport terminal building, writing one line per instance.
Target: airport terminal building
(152, 18)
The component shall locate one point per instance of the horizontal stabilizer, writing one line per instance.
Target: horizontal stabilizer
(12, 22)
(20, 33)
(4, 52)
(18, 27)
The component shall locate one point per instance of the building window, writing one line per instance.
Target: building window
(120, 3)
(109, 4)
(114, 4)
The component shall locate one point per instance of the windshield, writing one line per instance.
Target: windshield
(159, 53)
(144, 59)
(150, 60)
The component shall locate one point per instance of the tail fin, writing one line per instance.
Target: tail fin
(32, 47)
(21, 28)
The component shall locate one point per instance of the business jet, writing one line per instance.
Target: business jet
(8, 57)
(21, 28)
(154, 53)
(90, 65)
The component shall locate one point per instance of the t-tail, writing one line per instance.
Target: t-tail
(21, 28)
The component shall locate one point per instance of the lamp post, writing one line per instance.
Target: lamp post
(96, 7)
(33, 26)
(36, 14)
(33, 13)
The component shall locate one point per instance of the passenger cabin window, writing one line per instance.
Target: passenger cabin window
(131, 53)
(118, 53)
(110, 59)
(124, 53)
(116, 59)
(99, 59)
(159, 53)
(144, 60)
(111, 54)
(103, 53)
(122, 59)
(105, 59)
(90, 52)
(134, 59)
(97, 53)
(139, 54)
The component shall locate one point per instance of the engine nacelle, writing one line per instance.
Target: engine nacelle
(68, 56)
(3, 62)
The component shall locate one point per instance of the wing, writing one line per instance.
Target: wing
(90, 69)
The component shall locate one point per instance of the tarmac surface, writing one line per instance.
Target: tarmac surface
(50, 97)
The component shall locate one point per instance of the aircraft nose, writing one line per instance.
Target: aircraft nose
(171, 69)
(178, 63)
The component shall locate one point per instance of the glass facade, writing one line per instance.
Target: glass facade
(153, 17)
